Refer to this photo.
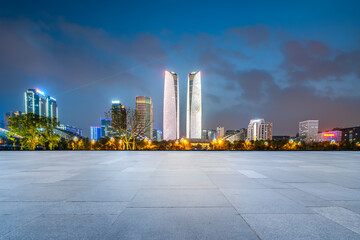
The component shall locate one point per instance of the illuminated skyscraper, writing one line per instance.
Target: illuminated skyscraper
(171, 118)
(144, 109)
(194, 106)
(105, 125)
(38, 103)
(258, 129)
(118, 113)
(95, 133)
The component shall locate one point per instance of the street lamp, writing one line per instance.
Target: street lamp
(92, 144)
(120, 144)
(75, 141)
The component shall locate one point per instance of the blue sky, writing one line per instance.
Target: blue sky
(285, 61)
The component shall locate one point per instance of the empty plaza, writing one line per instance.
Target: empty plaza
(179, 195)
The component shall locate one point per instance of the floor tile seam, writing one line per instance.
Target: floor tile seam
(253, 230)
(277, 190)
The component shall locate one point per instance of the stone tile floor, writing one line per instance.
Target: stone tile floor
(179, 195)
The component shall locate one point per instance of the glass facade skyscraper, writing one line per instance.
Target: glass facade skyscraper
(171, 118)
(38, 103)
(194, 106)
(144, 109)
(95, 133)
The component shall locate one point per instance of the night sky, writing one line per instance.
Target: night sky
(285, 61)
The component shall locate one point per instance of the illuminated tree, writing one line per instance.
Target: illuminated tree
(130, 131)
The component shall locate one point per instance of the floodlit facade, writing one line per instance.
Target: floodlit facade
(171, 118)
(38, 103)
(258, 129)
(144, 109)
(220, 132)
(308, 129)
(95, 133)
(194, 106)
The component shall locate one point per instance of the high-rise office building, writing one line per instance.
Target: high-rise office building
(220, 132)
(38, 103)
(51, 107)
(144, 109)
(258, 129)
(308, 129)
(95, 133)
(194, 106)
(10, 114)
(118, 114)
(105, 124)
(171, 118)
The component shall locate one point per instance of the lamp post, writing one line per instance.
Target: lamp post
(92, 144)
(75, 141)
(120, 144)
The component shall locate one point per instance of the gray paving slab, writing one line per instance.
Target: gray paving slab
(328, 191)
(179, 195)
(297, 226)
(351, 205)
(342, 216)
(107, 194)
(262, 201)
(179, 198)
(180, 223)
(303, 198)
(63, 227)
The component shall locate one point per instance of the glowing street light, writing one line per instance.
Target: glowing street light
(93, 143)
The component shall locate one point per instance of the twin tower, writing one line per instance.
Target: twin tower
(171, 121)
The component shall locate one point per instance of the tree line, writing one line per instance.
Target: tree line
(29, 131)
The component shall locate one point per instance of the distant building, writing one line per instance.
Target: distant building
(243, 134)
(350, 134)
(308, 129)
(105, 125)
(194, 107)
(231, 132)
(171, 117)
(281, 138)
(159, 135)
(220, 132)
(7, 115)
(236, 135)
(71, 129)
(118, 113)
(208, 134)
(95, 133)
(258, 129)
(154, 134)
(335, 135)
(40, 104)
(144, 109)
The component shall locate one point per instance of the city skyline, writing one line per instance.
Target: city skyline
(301, 64)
